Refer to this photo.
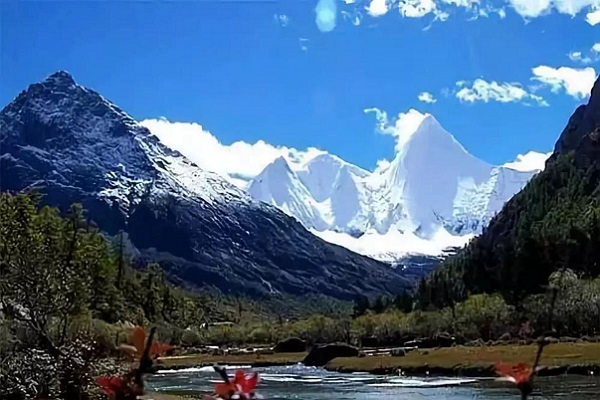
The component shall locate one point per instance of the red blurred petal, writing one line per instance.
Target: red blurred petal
(520, 373)
(223, 389)
(110, 385)
(138, 339)
(250, 382)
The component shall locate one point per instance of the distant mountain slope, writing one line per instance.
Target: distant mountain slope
(75, 146)
(554, 222)
(433, 195)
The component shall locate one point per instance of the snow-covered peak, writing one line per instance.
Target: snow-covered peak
(278, 185)
(433, 194)
(431, 141)
(319, 174)
(87, 135)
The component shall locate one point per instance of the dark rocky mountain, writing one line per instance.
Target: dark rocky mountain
(581, 136)
(72, 145)
(553, 223)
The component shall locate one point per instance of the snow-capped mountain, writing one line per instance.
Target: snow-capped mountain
(73, 145)
(431, 196)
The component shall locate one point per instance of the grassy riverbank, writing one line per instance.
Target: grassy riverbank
(255, 360)
(478, 361)
(475, 360)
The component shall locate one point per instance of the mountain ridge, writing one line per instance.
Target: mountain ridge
(73, 145)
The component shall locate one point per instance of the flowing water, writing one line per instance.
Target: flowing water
(305, 383)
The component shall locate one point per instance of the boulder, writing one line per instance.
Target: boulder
(290, 345)
(550, 339)
(441, 340)
(567, 339)
(475, 343)
(505, 336)
(320, 355)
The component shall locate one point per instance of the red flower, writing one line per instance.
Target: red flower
(519, 374)
(110, 385)
(243, 386)
(138, 341)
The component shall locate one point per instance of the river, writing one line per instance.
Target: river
(305, 383)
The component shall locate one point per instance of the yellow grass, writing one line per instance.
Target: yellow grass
(559, 354)
(246, 359)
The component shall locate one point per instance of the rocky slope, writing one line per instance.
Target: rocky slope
(73, 145)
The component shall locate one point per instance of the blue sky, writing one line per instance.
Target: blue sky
(250, 70)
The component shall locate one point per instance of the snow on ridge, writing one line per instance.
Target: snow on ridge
(529, 161)
(108, 141)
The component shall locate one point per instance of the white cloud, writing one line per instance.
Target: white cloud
(416, 8)
(427, 97)
(593, 17)
(326, 15)
(529, 161)
(531, 8)
(575, 56)
(591, 56)
(576, 82)
(377, 8)
(504, 92)
(440, 10)
(536, 8)
(403, 127)
(238, 162)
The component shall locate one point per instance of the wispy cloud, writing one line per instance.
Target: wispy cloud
(575, 82)
(427, 97)
(588, 57)
(503, 92)
(282, 19)
(303, 44)
(354, 16)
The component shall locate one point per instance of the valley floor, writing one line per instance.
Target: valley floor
(576, 358)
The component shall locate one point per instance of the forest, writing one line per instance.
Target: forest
(69, 297)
